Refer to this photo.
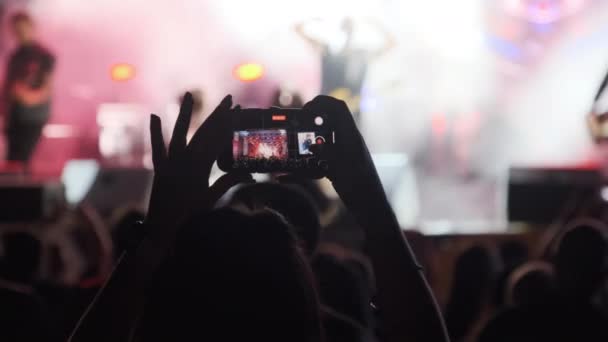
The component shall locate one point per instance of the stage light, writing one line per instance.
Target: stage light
(604, 193)
(544, 11)
(248, 72)
(122, 72)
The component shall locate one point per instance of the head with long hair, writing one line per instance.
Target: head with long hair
(234, 277)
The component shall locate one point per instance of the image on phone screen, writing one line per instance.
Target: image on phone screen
(260, 144)
(305, 140)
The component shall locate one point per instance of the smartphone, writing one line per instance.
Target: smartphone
(277, 140)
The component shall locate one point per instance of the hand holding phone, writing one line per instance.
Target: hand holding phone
(278, 140)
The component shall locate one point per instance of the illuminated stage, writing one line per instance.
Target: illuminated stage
(471, 88)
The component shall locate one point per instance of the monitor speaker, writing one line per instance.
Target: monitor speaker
(114, 188)
(541, 196)
(26, 200)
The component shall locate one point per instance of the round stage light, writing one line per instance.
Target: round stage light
(248, 72)
(122, 72)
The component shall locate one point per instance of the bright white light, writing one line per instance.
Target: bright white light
(267, 151)
(119, 114)
(604, 193)
(390, 159)
(60, 131)
(78, 176)
(318, 121)
(453, 29)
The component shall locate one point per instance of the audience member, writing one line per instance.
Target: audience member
(473, 282)
(291, 202)
(286, 99)
(579, 264)
(197, 272)
(233, 277)
(531, 284)
(513, 253)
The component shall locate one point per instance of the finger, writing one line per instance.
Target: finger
(212, 137)
(339, 115)
(159, 151)
(328, 103)
(224, 183)
(180, 131)
(206, 131)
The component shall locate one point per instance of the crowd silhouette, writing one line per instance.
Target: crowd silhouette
(257, 262)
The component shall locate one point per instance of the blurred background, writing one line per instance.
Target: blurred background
(469, 90)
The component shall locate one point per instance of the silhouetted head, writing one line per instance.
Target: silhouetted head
(22, 27)
(513, 253)
(291, 202)
(531, 283)
(21, 258)
(286, 99)
(234, 277)
(473, 281)
(580, 261)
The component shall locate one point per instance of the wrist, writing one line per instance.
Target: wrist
(368, 203)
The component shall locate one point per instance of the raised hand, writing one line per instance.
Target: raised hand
(181, 188)
(350, 166)
(181, 174)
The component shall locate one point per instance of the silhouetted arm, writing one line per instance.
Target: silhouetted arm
(409, 310)
(25, 94)
(315, 43)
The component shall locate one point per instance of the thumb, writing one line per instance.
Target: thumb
(159, 151)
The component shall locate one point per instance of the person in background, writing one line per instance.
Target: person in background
(531, 284)
(570, 314)
(473, 283)
(286, 99)
(513, 253)
(27, 90)
(344, 68)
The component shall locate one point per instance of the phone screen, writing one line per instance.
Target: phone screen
(272, 144)
(260, 144)
(276, 140)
